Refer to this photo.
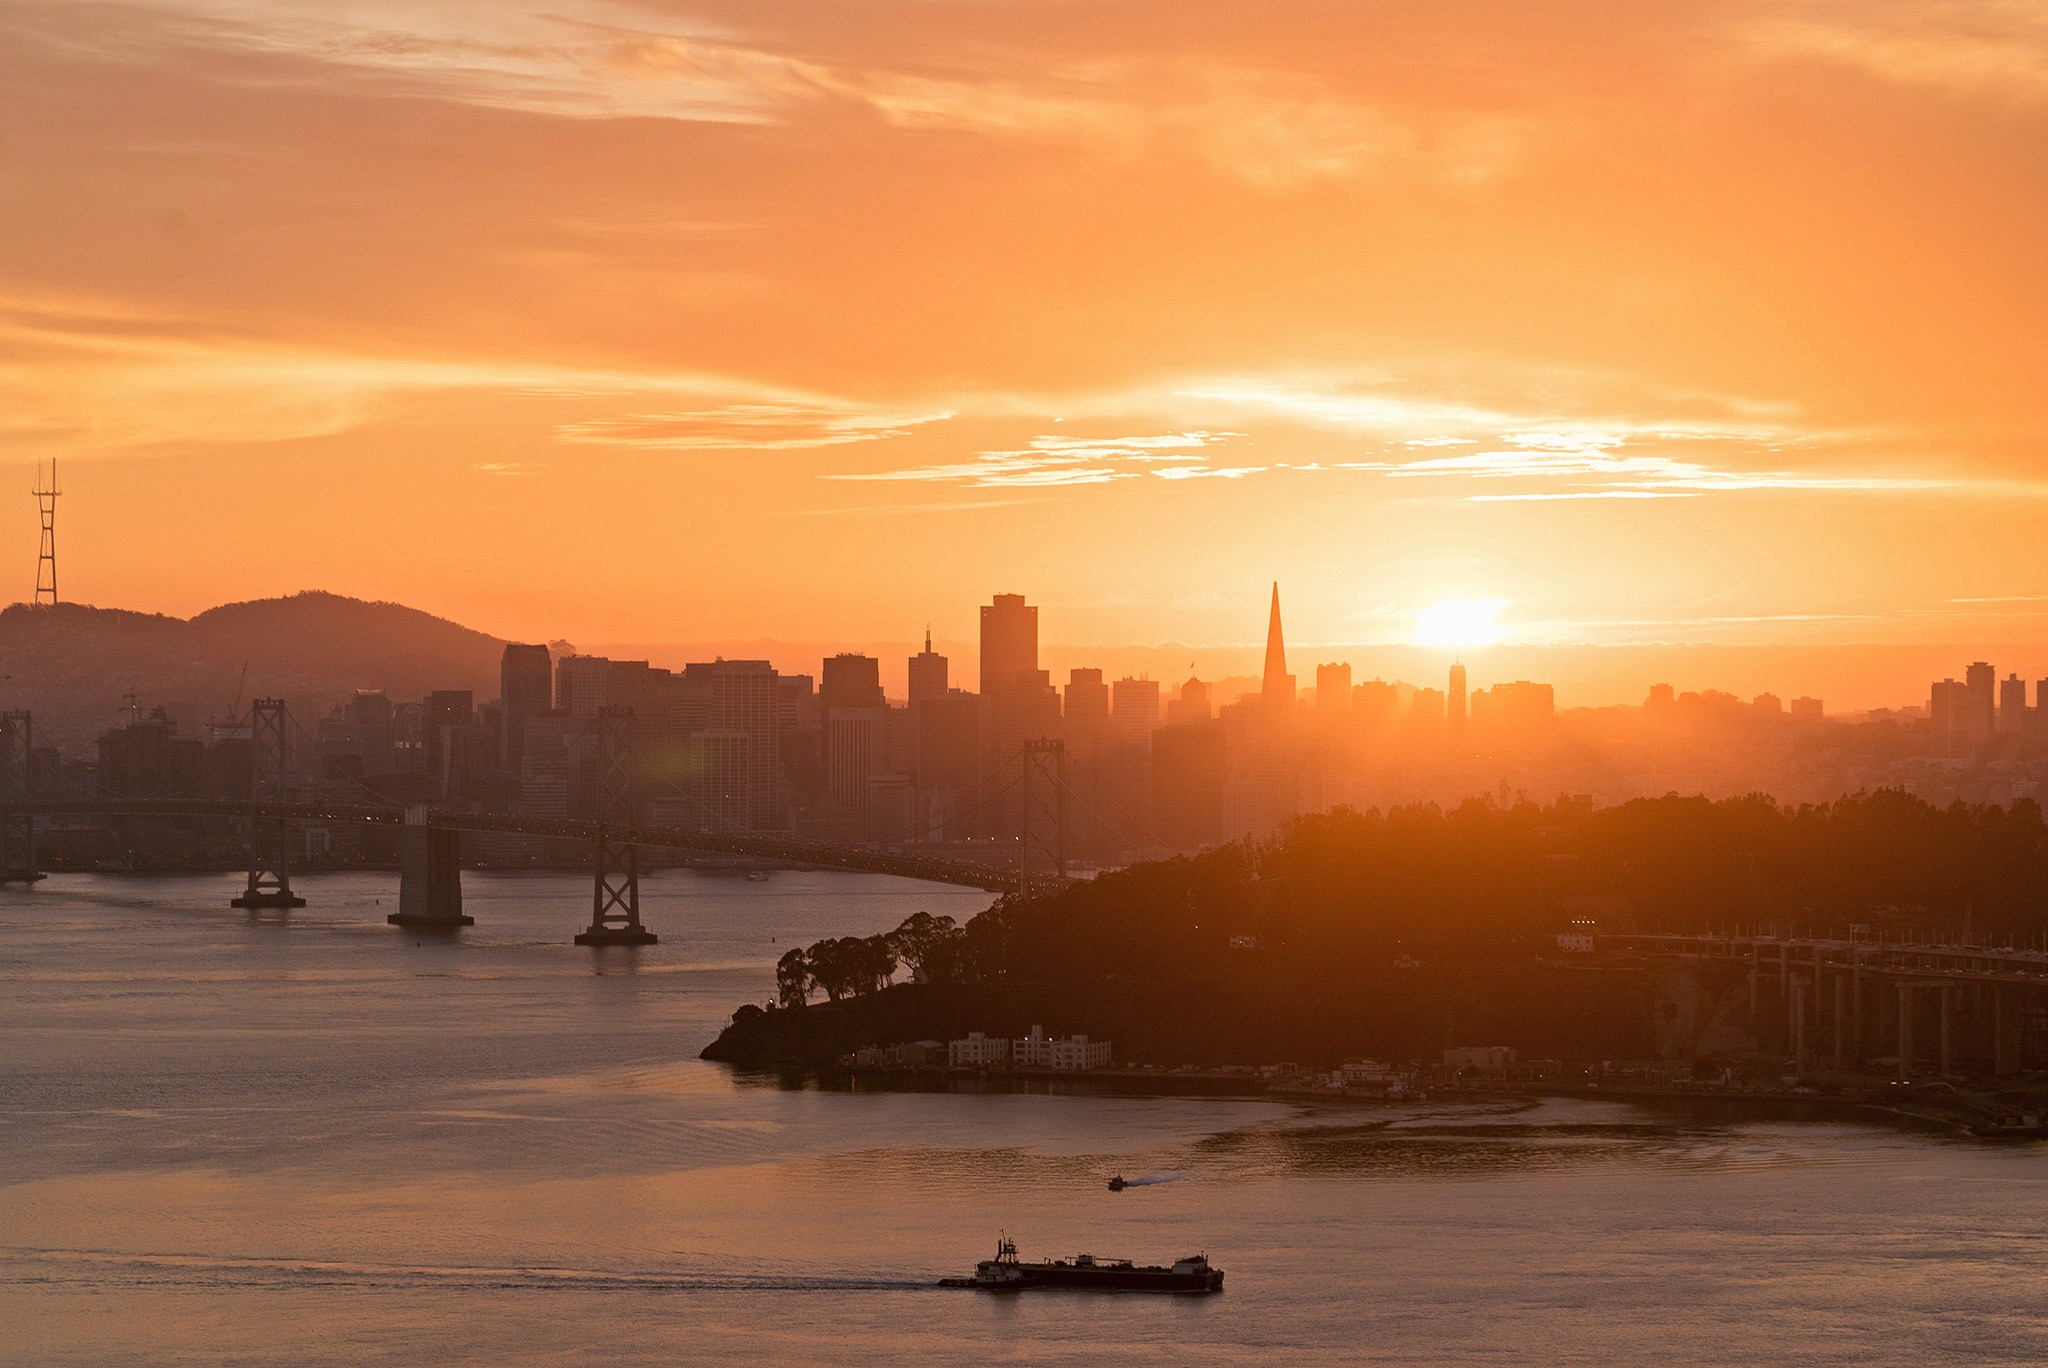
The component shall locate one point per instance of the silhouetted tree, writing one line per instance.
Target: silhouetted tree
(793, 979)
(921, 937)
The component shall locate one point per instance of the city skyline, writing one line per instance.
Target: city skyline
(1590, 323)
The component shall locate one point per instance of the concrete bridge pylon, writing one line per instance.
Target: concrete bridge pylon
(17, 821)
(429, 876)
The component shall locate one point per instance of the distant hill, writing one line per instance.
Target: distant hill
(74, 665)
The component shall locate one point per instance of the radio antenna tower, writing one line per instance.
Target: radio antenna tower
(46, 563)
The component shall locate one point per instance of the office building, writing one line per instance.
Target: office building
(582, 685)
(1134, 707)
(1193, 704)
(1333, 688)
(526, 684)
(2012, 703)
(1980, 703)
(1009, 643)
(927, 672)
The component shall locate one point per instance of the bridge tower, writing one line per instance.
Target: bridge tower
(269, 836)
(615, 899)
(17, 823)
(1042, 853)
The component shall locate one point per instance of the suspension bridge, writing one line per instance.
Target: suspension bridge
(430, 834)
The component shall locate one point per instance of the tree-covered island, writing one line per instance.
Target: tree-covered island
(1398, 934)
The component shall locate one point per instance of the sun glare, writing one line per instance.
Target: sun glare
(1459, 622)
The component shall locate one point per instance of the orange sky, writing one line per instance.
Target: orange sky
(677, 321)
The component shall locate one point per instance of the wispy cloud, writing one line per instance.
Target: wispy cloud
(1052, 461)
(746, 427)
(1210, 472)
(1599, 470)
(1995, 48)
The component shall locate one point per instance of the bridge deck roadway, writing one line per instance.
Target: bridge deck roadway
(1968, 963)
(870, 860)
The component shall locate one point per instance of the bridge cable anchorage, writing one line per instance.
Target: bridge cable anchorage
(17, 820)
(269, 835)
(615, 895)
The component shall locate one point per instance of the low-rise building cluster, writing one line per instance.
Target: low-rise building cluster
(1035, 1050)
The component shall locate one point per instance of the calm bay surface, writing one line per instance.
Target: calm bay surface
(317, 1139)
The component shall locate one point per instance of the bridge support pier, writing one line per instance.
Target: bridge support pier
(429, 877)
(2005, 1032)
(1795, 1025)
(1856, 1010)
(1905, 1030)
(1947, 1005)
(17, 827)
(1841, 998)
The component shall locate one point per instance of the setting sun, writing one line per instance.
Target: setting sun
(1460, 622)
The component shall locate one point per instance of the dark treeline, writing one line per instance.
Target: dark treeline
(1388, 931)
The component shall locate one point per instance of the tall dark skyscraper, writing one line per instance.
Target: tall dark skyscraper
(849, 680)
(2012, 704)
(1277, 688)
(526, 679)
(446, 708)
(1009, 643)
(1457, 700)
(1980, 702)
(927, 672)
(1087, 701)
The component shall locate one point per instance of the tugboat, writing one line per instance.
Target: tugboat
(1005, 1273)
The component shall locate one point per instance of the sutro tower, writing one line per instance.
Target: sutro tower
(46, 563)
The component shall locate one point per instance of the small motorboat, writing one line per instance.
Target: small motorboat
(1117, 1184)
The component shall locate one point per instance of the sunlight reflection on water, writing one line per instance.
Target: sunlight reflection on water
(317, 1140)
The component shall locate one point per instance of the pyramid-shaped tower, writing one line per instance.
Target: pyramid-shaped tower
(1277, 690)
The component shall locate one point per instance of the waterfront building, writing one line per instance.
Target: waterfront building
(979, 1051)
(1040, 1051)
